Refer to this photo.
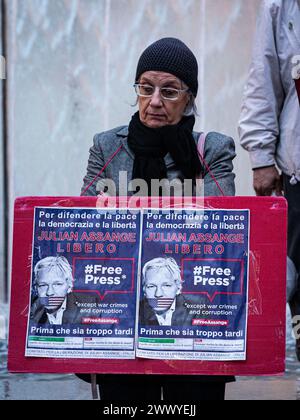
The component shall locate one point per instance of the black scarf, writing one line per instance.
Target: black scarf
(150, 146)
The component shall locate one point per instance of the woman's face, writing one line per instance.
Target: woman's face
(155, 111)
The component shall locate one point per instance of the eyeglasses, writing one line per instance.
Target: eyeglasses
(146, 91)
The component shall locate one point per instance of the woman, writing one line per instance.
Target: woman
(160, 144)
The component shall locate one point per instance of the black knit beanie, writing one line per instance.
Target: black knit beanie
(171, 56)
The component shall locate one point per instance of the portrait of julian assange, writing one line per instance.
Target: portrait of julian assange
(54, 301)
(163, 302)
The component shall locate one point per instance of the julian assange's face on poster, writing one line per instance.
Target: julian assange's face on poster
(160, 289)
(51, 285)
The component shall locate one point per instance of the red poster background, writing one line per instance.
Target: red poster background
(267, 291)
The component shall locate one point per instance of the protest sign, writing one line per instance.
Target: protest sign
(258, 345)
